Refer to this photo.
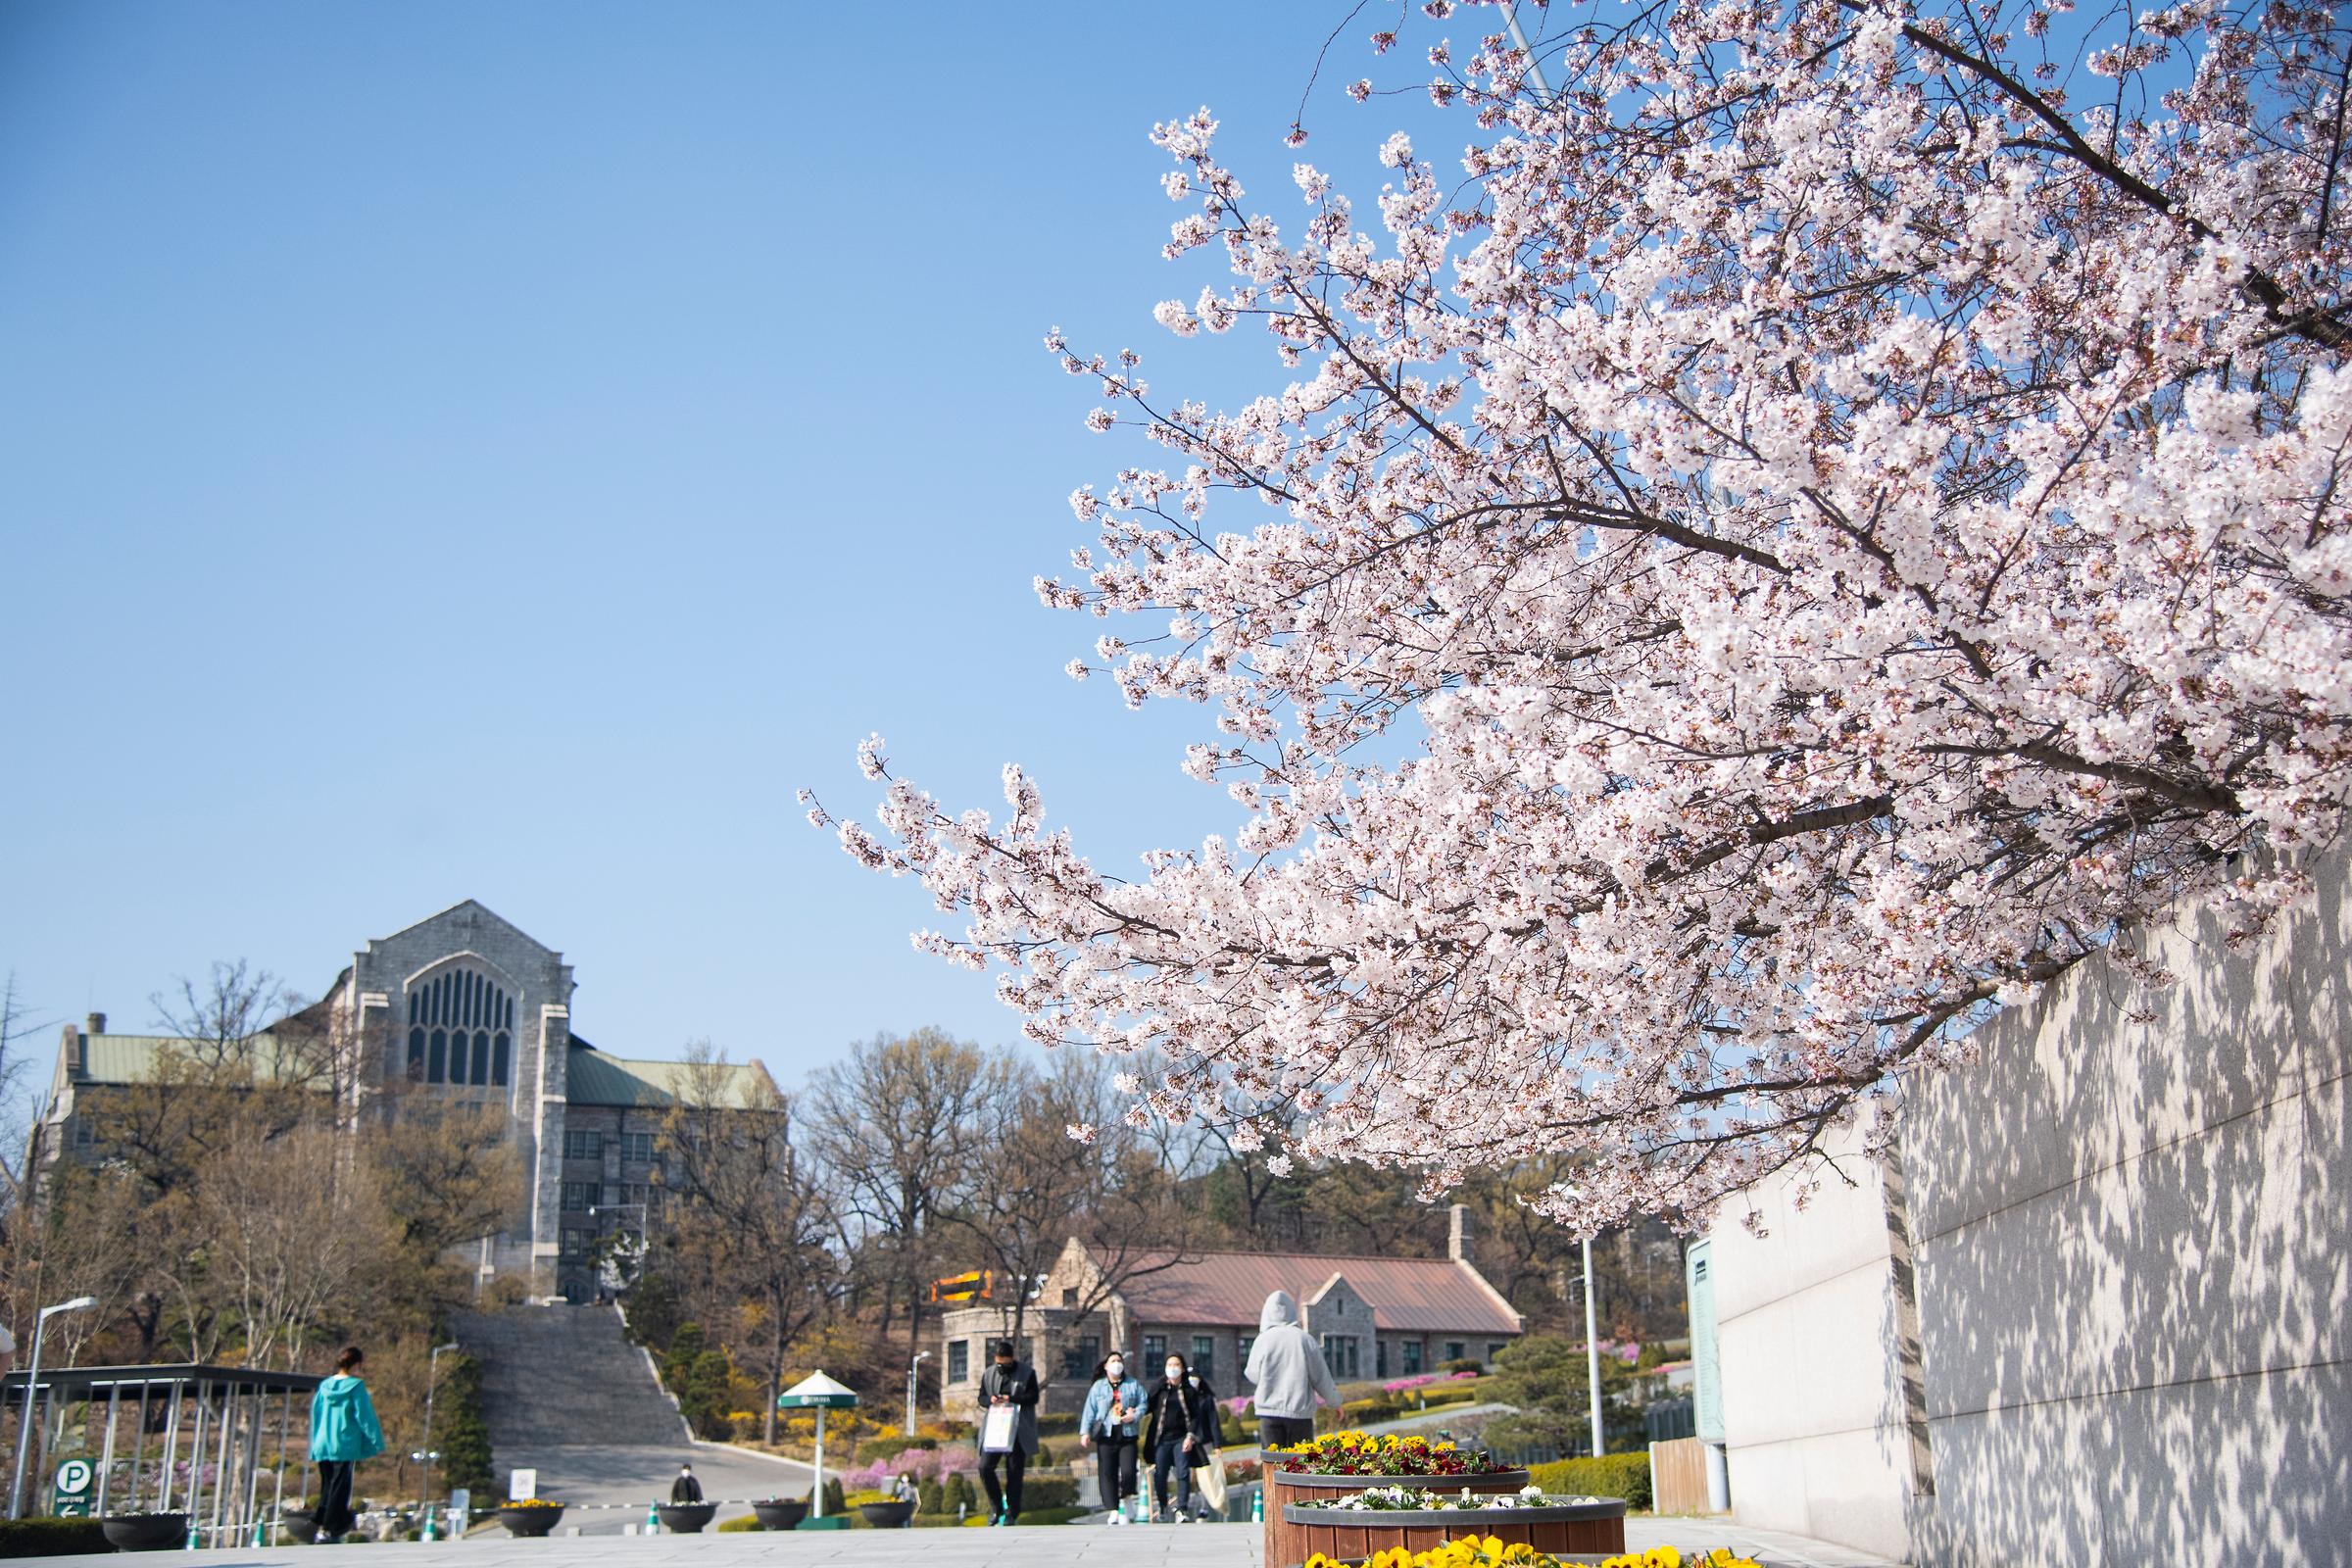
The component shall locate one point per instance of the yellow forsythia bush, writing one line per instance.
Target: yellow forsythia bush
(1474, 1552)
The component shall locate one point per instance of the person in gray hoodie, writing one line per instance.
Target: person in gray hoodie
(1287, 1371)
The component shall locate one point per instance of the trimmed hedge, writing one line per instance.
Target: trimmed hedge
(1612, 1475)
(51, 1537)
(729, 1526)
(1042, 1493)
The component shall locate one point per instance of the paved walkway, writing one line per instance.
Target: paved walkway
(1140, 1546)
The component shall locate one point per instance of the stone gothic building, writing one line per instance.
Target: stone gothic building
(459, 1008)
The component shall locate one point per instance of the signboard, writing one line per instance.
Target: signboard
(979, 1285)
(73, 1479)
(522, 1486)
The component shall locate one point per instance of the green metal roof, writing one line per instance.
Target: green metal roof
(134, 1059)
(594, 1077)
(597, 1079)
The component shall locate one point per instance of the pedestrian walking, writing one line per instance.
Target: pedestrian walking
(1288, 1376)
(343, 1431)
(1208, 1476)
(1109, 1425)
(1012, 1438)
(686, 1488)
(1175, 1428)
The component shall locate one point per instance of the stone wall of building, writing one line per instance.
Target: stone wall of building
(2122, 1233)
(540, 984)
(2134, 1225)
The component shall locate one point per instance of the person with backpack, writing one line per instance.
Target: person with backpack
(344, 1432)
(1114, 1409)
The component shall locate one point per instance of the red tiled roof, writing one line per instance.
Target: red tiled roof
(1407, 1295)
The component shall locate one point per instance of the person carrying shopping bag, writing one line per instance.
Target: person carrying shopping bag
(1208, 1471)
(343, 1431)
(1007, 1431)
(1114, 1409)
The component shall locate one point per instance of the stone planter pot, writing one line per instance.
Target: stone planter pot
(781, 1513)
(146, 1532)
(1283, 1540)
(530, 1521)
(687, 1518)
(888, 1515)
(302, 1524)
(1351, 1535)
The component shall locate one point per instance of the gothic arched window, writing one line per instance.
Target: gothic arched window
(461, 1030)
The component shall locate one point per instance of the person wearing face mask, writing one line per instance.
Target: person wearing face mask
(1175, 1429)
(1114, 1407)
(1009, 1383)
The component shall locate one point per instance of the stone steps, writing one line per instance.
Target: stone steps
(566, 1377)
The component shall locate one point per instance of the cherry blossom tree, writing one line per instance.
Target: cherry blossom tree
(1815, 519)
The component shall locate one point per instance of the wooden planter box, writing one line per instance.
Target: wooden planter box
(1351, 1535)
(1285, 1542)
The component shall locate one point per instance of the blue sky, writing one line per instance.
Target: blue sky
(501, 452)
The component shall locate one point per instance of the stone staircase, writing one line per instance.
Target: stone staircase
(566, 1377)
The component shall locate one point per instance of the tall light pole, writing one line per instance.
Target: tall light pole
(427, 1454)
(1592, 1353)
(32, 1382)
(919, 1357)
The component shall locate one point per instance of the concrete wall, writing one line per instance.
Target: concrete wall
(2135, 1262)
(2126, 1234)
(1808, 1331)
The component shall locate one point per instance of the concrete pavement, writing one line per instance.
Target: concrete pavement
(1042, 1546)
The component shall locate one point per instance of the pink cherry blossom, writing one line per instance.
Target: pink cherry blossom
(1792, 538)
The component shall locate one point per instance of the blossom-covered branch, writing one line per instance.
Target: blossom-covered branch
(1814, 534)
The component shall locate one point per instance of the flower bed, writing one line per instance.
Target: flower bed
(1357, 1454)
(1487, 1552)
(1341, 1463)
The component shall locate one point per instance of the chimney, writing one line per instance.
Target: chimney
(95, 1024)
(1457, 1233)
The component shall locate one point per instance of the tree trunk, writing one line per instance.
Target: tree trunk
(775, 1364)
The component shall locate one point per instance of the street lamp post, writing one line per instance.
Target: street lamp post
(424, 1478)
(33, 1380)
(920, 1356)
(1592, 1352)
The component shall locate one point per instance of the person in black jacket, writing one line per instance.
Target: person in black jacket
(686, 1488)
(1009, 1383)
(1180, 1427)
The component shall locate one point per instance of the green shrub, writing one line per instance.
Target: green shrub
(459, 1431)
(51, 1538)
(1442, 1394)
(1465, 1363)
(1061, 1424)
(927, 1497)
(1235, 1431)
(955, 1493)
(1048, 1516)
(1048, 1491)
(749, 1521)
(833, 1496)
(1043, 1455)
(1612, 1475)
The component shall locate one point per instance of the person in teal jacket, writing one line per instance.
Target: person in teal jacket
(343, 1431)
